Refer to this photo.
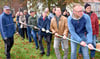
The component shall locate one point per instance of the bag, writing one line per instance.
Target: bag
(98, 46)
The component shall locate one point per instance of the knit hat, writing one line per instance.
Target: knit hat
(86, 5)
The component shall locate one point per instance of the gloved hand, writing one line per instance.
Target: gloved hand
(56, 34)
(47, 31)
(90, 46)
(35, 27)
(64, 37)
(5, 38)
(43, 29)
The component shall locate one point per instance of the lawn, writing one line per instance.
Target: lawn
(22, 49)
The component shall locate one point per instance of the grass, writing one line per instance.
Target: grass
(22, 49)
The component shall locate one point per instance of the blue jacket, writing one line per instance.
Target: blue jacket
(43, 24)
(78, 28)
(6, 25)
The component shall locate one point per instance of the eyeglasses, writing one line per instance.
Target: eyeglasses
(79, 11)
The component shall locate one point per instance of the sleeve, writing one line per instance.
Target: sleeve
(49, 17)
(51, 25)
(29, 21)
(25, 20)
(48, 25)
(13, 25)
(97, 25)
(20, 19)
(2, 27)
(72, 31)
(38, 23)
(89, 29)
(66, 27)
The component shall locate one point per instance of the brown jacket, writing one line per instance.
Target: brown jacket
(63, 26)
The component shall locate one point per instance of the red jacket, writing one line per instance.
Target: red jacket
(95, 24)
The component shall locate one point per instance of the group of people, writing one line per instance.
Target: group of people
(81, 25)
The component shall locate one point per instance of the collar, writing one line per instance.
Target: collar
(6, 14)
(75, 17)
(57, 17)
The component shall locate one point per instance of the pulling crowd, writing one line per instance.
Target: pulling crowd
(81, 26)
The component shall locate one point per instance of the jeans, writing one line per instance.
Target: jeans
(92, 54)
(35, 37)
(29, 33)
(56, 47)
(62, 42)
(74, 51)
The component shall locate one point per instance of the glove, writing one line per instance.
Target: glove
(35, 27)
(47, 31)
(90, 46)
(5, 38)
(56, 34)
(64, 37)
(43, 29)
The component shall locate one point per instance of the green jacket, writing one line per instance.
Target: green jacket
(32, 21)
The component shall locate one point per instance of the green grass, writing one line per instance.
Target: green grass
(22, 49)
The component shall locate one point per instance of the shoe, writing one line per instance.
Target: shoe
(37, 48)
(80, 56)
(92, 58)
(48, 54)
(42, 53)
(5, 53)
(8, 58)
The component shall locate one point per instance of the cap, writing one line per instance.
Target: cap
(32, 11)
(25, 10)
(6, 7)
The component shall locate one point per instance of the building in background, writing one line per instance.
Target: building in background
(15, 5)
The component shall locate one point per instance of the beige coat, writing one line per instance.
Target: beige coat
(63, 26)
(22, 19)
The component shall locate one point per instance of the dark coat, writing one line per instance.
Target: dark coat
(43, 24)
(6, 25)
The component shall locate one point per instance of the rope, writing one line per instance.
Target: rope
(61, 37)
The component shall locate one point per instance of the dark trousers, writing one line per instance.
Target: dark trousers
(19, 29)
(50, 37)
(24, 32)
(8, 45)
(48, 43)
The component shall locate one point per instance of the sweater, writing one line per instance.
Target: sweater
(78, 28)
(32, 21)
